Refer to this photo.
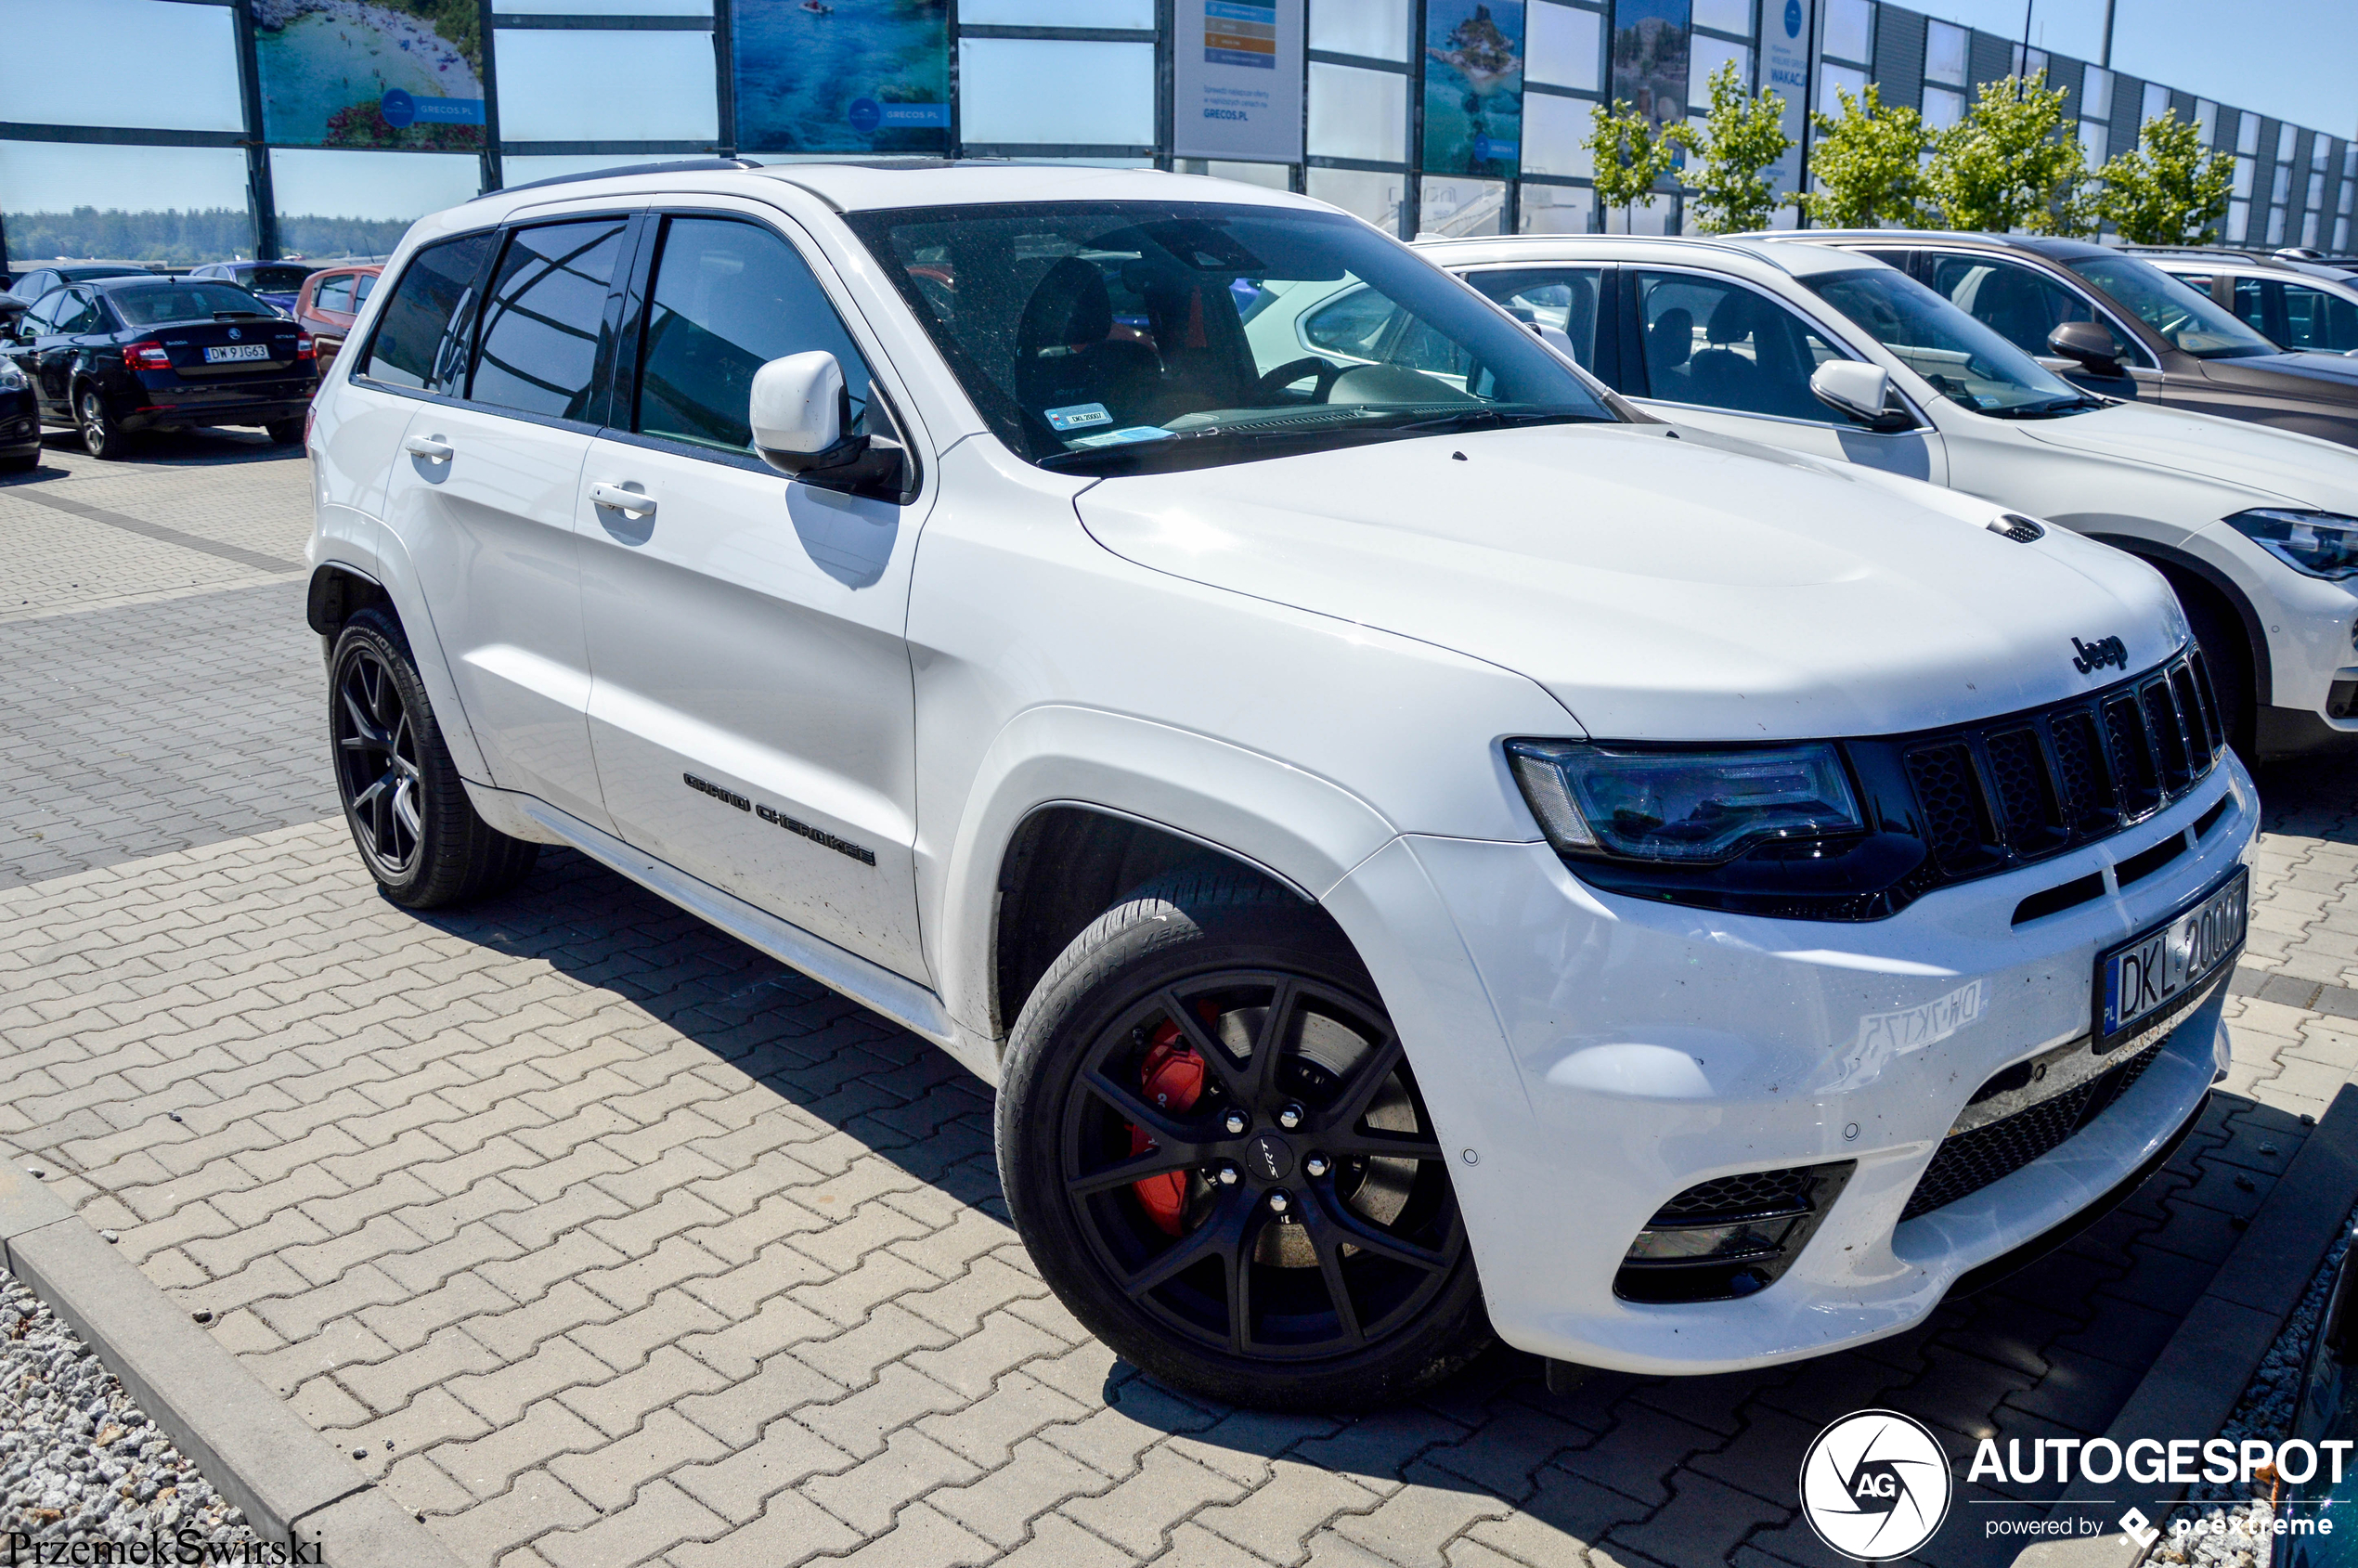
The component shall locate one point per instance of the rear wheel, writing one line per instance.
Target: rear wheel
(101, 437)
(1210, 1140)
(284, 433)
(417, 832)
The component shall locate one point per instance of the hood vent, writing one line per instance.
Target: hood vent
(2017, 527)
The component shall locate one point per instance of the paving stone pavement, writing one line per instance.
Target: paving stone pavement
(612, 1242)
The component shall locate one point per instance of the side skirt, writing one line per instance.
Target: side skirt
(873, 987)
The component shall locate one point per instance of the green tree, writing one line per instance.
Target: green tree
(2166, 190)
(1628, 154)
(1743, 134)
(1868, 165)
(2013, 162)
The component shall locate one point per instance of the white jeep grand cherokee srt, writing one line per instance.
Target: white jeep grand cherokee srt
(1375, 820)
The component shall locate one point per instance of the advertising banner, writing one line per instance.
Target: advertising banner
(404, 73)
(1236, 80)
(842, 75)
(1649, 57)
(1473, 87)
(1784, 69)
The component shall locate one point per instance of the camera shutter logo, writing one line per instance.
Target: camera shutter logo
(1875, 1486)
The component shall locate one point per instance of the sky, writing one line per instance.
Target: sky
(2297, 67)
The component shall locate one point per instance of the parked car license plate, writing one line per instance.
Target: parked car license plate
(221, 356)
(2138, 981)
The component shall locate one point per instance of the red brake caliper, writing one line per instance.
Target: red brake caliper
(1173, 1077)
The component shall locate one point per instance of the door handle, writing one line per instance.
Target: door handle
(633, 504)
(434, 448)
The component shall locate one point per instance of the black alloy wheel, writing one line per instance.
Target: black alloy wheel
(1214, 1145)
(377, 763)
(1315, 1216)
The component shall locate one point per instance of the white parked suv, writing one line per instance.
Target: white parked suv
(1833, 353)
(1419, 852)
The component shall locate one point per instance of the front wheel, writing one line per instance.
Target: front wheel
(410, 815)
(101, 437)
(1213, 1144)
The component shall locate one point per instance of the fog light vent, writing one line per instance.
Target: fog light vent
(1729, 1236)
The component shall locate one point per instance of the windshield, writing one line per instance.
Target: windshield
(278, 280)
(1965, 361)
(2192, 323)
(1112, 336)
(155, 305)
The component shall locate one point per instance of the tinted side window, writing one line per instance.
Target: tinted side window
(80, 313)
(1561, 298)
(1719, 345)
(420, 333)
(2315, 320)
(360, 296)
(42, 316)
(2020, 305)
(1353, 325)
(542, 317)
(730, 297)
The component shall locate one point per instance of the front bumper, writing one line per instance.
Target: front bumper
(1588, 1057)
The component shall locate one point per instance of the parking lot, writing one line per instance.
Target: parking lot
(610, 1241)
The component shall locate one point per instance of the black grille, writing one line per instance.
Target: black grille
(1969, 1162)
(1954, 826)
(1729, 1236)
(1754, 1192)
(2027, 785)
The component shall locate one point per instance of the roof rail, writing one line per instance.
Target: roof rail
(683, 166)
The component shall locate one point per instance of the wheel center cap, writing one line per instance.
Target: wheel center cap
(1269, 1156)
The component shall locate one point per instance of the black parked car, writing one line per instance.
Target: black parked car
(37, 281)
(19, 420)
(120, 355)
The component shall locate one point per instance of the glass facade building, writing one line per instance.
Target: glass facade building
(323, 127)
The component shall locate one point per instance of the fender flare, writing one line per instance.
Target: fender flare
(2263, 679)
(1302, 830)
(391, 570)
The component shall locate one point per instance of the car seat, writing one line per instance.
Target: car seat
(1670, 342)
(1066, 355)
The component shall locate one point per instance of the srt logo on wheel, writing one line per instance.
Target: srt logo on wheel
(1874, 1486)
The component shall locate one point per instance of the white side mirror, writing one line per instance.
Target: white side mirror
(798, 411)
(1858, 390)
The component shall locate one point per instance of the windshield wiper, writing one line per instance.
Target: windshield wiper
(2047, 411)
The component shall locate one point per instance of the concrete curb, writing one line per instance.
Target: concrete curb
(291, 1482)
(2193, 1384)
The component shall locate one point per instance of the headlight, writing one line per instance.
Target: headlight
(2318, 544)
(11, 379)
(1691, 808)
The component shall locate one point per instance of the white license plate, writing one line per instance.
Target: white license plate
(237, 351)
(2137, 981)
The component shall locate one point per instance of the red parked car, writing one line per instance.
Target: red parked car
(329, 301)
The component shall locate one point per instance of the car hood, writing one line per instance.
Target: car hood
(2275, 465)
(1661, 587)
(2333, 377)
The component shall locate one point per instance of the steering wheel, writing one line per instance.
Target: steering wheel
(1265, 390)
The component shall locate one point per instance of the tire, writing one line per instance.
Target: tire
(101, 437)
(411, 819)
(2219, 631)
(284, 433)
(1176, 1257)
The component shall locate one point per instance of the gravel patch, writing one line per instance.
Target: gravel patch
(2235, 1526)
(79, 1461)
